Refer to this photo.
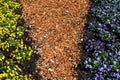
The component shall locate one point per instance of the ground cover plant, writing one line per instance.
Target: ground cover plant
(13, 50)
(104, 62)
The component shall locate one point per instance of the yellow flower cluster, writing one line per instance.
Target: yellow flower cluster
(13, 50)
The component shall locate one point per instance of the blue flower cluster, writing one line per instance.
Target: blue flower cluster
(104, 63)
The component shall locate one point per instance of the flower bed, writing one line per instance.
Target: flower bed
(13, 50)
(104, 62)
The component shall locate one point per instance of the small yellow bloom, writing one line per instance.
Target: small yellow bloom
(3, 75)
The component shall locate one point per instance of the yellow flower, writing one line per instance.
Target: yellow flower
(3, 75)
(11, 74)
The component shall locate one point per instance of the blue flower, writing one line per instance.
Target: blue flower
(98, 59)
(105, 66)
(85, 62)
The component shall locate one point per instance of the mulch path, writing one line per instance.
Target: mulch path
(57, 25)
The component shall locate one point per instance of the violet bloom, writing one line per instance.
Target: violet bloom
(105, 66)
(98, 59)
(86, 47)
(100, 69)
(118, 53)
(85, 62)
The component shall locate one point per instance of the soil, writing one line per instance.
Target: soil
(57, 26)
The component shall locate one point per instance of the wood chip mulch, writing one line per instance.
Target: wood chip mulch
(58, 27)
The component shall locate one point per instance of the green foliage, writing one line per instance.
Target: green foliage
(13, 51)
